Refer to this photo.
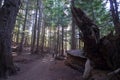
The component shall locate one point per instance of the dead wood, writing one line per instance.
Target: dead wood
(104, 52)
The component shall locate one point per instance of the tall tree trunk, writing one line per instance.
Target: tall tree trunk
(43, 30)
(18, 31)
(39, 24)
(34, 31)
(43, 37)
(8, 13)
(58, 40)
(62, 53)
(73, 39)
(115, 15)
(50, 29)
(23, 29)
(79, 41)
(17, 40)
(66, 40)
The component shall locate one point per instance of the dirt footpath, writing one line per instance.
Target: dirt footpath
(46, 69)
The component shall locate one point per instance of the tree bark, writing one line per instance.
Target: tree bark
(66, 40)
(58, 41)
(104, 52)
(43, 37)
(17, 39)
(39, 24)
(34, 31)
(115, 15)
(43, 30)
(62, 53)
(90, 37)
(23, 29)
(73, 39)
(8, 13)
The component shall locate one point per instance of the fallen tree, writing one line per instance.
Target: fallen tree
(103, 53)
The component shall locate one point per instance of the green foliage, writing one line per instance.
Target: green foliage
(57, 12)
(54, 12)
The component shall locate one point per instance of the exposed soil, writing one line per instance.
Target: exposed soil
(36, 68)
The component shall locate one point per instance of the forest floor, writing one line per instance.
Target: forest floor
(35, 67)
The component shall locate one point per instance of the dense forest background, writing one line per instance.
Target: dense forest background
(48, 23)
(55, 26)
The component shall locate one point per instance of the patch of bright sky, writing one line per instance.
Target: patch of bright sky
(108, 5)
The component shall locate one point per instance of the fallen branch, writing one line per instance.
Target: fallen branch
(114, 72)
